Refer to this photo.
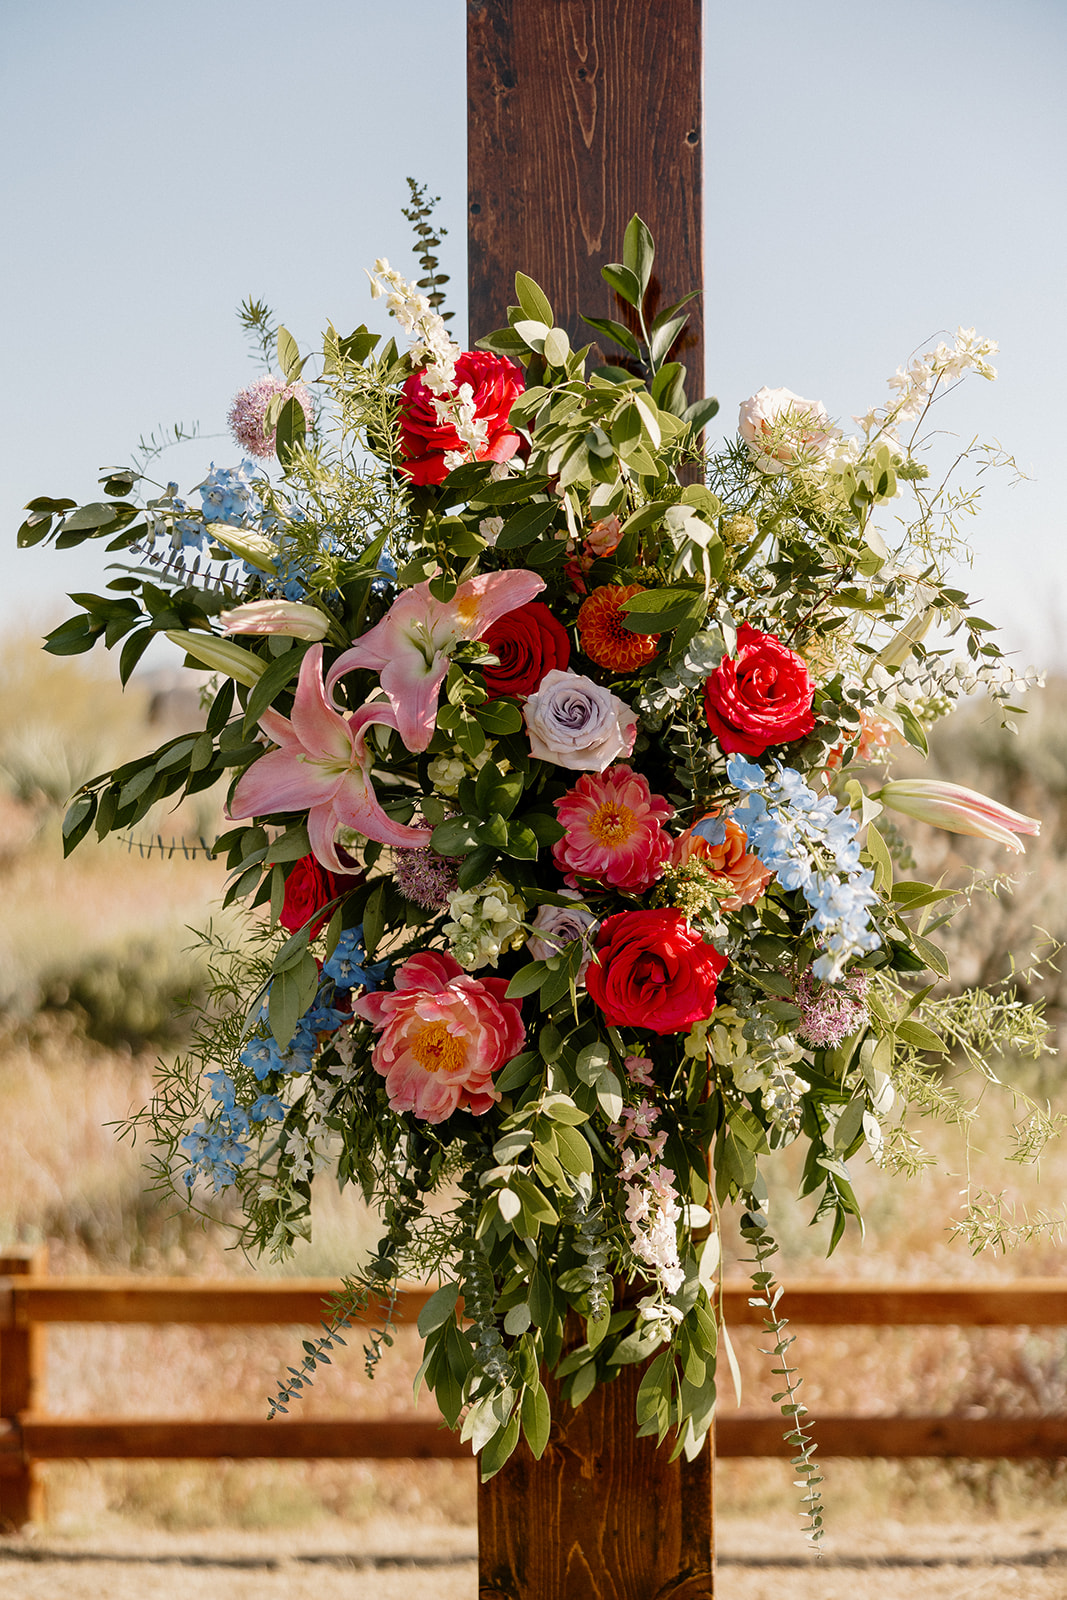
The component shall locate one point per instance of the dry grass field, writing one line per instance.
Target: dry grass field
(92, 970)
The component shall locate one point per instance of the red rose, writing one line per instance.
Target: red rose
(496, 383)
(308, 888)
(529, 642)
(761, 696)
(651, 970)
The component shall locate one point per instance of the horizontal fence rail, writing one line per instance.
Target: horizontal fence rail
(30, 1300)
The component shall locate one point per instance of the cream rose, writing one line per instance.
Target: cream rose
(780, 427)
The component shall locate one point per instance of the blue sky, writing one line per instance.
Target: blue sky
(876, 173)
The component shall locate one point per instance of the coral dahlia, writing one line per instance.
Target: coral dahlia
(605, 637)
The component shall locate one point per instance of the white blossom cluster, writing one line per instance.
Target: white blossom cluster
(432, 346)
(484, 922)
(653, 1209)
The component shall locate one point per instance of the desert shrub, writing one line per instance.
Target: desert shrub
(133, 996)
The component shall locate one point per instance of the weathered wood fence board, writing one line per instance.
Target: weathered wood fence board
(1037, 1302)
(30, 1300)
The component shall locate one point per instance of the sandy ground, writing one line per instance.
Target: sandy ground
(1025, 1560)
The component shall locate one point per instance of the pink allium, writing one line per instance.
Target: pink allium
(830, 1013)
(443, 1035)
(424, 877)
(615, 831)
(249, 409)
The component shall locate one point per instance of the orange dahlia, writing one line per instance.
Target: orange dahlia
(605, 637)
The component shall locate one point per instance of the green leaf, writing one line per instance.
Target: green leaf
(94, 517)
(527, 524)
(292, 845)
(533, 300)
(280, 672)
(624, 282)
(292, 430)
(557, 347)
(536, 1414)
(664, 337)
(573, 1149)
(288, 355)
(499, 716)
(517, 1072)
(374, 921)
(291, 992)
(438, 1308)
(878, 851)
(561, 1108)
(913, 728)
(454, 837)
(638, 251)
(933, 956)
(77, 821)
(500, 1447)
(700, 413)
(922, 1038)
(527, 980)
(616, 331)
(660, 610)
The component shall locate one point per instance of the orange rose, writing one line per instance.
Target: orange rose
(730, 860)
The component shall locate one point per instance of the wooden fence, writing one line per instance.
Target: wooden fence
(30, 1300)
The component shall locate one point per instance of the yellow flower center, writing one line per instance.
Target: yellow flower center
(612, 823)
(437, 1050)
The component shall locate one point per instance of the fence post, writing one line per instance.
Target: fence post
(22, 1352)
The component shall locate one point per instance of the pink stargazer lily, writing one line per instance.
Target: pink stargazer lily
(410, 647)
(959, 810)
(322, 764)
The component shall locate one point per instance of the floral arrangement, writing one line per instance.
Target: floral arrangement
(554, 749)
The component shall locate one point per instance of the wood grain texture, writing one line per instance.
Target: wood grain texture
(185, 1300)
(22, 1357)
(581, 112)
(900, 1438)
(105, 1438)
(1034, 1302)
(602, 1516)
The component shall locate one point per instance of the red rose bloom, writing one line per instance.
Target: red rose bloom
(761, 696)
(529, 642)
(496, 383)
(308, 888)
(651, 970)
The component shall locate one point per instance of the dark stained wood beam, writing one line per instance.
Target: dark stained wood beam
(581, 112)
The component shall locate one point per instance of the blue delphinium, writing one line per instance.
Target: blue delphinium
(227, 494)
(812, 846)
(347, 966)
(218, 1148)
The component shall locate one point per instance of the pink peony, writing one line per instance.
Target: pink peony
(614, 832)
(443, 1035)
(248, 413)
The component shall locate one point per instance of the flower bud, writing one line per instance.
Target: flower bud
(288, 617)
(958, 810)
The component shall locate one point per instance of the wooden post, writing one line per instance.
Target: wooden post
(581, 112)
(22, 1352)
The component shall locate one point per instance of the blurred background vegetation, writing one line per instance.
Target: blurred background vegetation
(95, 981)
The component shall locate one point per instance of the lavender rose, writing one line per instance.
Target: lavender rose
(575, 723)
(559, 926)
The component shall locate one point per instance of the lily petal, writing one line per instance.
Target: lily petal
(410, 646)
